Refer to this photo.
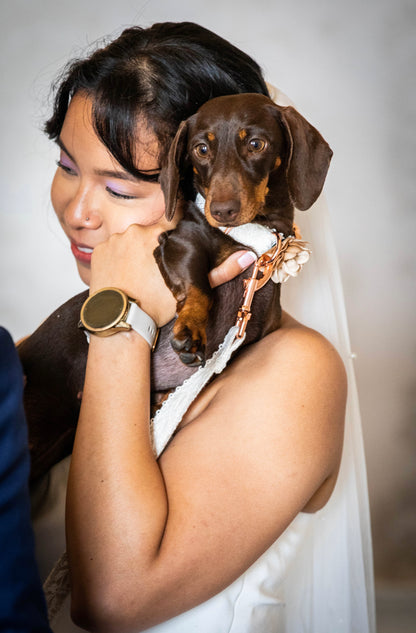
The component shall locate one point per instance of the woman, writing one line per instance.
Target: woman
(189, 541)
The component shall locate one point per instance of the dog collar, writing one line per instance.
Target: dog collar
(257, 237)
(293, 251)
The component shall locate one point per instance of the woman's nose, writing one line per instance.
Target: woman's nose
(82, 211)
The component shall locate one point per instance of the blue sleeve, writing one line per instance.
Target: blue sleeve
(22, 604)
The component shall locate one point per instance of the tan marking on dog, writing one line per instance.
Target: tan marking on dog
(252, 199)
(278, 162)
(211, 136)
(195, 170)
(207, 210)
(193, 315)
(242, 134)
(253, 202)
(261, 191)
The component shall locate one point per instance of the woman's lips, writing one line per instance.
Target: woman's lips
(82, 253)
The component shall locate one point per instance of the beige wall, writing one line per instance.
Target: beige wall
(350, 68)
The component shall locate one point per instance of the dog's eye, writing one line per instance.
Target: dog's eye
(256, 145)
(201, 150)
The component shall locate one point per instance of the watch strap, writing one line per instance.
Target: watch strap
(142, 323)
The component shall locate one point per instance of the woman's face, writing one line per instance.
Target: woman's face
(92, 195)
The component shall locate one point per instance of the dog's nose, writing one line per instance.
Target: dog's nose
(226, 211)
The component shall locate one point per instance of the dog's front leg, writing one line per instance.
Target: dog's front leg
(185, 256)
(184, 261)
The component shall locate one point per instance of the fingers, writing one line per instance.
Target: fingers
(126, 261)
(233, 266)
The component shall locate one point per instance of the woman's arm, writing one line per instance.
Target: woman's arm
(148, 539)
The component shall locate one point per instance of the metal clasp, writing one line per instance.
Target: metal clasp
(264, 266)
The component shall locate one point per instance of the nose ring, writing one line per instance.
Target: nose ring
(87, 219)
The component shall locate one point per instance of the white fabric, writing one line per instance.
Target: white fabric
(317, 577)
(339, 553)
(168, 417)
(258, 237)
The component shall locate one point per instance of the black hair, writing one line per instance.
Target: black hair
(162, 74)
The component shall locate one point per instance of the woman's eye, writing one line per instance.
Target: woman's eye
(119, 195)
(256, 145)
(66, 168)
(201, 150)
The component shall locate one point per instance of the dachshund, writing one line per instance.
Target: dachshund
(251, 160)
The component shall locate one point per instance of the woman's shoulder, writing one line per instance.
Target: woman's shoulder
(291, 353)
(294, 366)
(278, 406)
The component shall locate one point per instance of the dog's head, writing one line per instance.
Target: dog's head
(244, 153)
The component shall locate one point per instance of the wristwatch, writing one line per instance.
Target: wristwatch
(110, 310)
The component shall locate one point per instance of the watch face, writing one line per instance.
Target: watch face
(104, 309)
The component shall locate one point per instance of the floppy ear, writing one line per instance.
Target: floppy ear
(309, 158)
(172, 172)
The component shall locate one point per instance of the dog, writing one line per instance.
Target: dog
(251, 160)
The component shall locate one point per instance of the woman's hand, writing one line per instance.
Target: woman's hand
(231, 267)
(126, 261)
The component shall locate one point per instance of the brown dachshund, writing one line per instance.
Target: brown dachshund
(250, 159)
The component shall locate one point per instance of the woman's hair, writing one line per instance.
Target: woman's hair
(162, 75)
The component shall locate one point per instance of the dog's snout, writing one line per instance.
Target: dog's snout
(225, 211)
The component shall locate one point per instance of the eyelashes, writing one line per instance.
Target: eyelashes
(119, 195)
(66, 167)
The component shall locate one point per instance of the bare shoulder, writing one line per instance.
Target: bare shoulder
(301, 373)
(289, 389)
(294, 359)
(302, 350)
(285, 397)
(294, 364)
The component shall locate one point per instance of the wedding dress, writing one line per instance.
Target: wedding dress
(318, 576)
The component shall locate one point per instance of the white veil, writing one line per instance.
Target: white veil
(330, 586)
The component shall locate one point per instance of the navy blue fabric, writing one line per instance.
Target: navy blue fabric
(22, 604)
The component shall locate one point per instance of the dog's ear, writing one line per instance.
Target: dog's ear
(308, 160)
(172, 172)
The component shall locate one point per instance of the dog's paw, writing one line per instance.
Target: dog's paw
(189, 343)
(189, 332)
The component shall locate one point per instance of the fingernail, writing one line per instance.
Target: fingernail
(246, 259)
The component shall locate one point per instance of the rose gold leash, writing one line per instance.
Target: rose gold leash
(265, 265)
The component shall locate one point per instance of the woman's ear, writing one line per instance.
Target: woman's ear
(308, 160)
(173, 171)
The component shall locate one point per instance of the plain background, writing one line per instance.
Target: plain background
(350, 68)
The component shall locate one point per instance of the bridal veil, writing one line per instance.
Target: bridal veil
(330, 586)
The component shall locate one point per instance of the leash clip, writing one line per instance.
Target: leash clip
(264, 265)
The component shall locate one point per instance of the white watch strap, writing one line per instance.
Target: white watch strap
(142, 323)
